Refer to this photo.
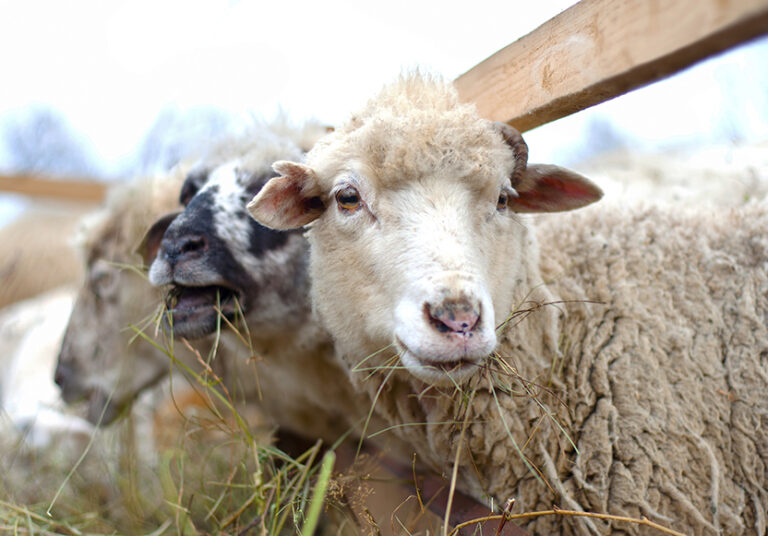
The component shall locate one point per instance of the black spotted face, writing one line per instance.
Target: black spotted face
(215, 258)
(195, 180)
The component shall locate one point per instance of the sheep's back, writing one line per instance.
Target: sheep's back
(666, 378)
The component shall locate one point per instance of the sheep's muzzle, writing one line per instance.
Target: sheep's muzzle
(194, 311)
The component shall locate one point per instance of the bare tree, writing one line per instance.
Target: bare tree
(178, 134)
(40, 140)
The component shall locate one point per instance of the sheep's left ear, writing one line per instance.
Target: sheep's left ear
(289, 201)
(150, 244)
(545, 188)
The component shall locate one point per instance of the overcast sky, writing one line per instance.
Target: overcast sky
(111, 66)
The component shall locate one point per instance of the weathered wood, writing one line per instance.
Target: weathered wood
(599, 49)
(65, 188)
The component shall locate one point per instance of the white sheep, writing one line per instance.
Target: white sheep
(35, 254)
(723, 176)
(101, 358)
(30, 403)
(648, 402)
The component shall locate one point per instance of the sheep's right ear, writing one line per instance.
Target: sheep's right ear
(150, 244)
(545, 188)
(289, 201)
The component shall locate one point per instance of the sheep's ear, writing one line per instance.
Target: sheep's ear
(289, 201)
(195, 180)
(150, 244)
(545, 188)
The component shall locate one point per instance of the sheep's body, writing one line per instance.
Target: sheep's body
(661, 388)
(722, 176)
(35, 254)
(686, 298)
(30, 333)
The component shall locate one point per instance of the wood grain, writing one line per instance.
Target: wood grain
(599, 49)
(72, 189)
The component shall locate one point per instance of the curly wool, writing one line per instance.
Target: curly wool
(660, 386)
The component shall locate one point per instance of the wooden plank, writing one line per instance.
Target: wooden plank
(599, 49)
(72, 189)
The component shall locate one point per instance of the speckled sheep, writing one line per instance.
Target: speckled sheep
(214, 257)
(282, 360)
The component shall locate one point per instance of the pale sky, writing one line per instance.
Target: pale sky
(111, 66)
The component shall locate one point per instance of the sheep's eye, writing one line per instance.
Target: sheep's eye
(501, 204)
(102, 283)
(348, 199)
(506, 196)
(103, 279)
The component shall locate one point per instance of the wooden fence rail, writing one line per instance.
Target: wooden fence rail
(69, 188)
(599, 49)
(590, 53)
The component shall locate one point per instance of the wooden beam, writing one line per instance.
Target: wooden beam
(599, 49)
(70, 189)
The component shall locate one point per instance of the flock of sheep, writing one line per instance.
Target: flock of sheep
(401, 280)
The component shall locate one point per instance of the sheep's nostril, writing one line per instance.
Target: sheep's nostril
(192, 244)
(178, 249)
(453, 317)
(62, 375)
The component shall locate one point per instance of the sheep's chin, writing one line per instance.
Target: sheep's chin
(103, 410)
(195, 310)
(437, 373)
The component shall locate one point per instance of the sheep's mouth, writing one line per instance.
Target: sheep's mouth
(434, 371)
(103, 410)
(100, 408)
(194, 311)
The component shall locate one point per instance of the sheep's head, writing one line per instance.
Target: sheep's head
(215, 259)
(417, 242)
(102, 359)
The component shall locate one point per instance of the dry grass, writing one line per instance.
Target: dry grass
(202, 463)
(210, 466)
(212, 480)
(502, 379)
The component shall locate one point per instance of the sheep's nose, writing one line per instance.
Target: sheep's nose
(63, 375)
(185, 247)
(454, 316)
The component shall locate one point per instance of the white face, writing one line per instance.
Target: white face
(101, 359)
(418, 253)
(419, 267)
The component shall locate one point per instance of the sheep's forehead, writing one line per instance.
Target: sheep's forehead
(393, 153)
(228, 181)
(226, 190)
(424, 179)
(228, 187)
